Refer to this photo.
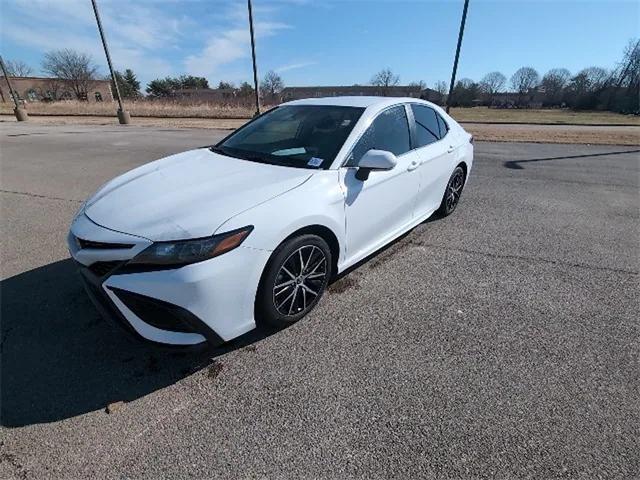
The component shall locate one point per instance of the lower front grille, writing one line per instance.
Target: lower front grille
(157, 313)
(102, 269)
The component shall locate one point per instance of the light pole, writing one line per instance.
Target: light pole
(253, 56)
(123, 116)
(455, 62)
(20, 113)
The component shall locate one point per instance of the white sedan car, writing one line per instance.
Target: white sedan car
(201, 245)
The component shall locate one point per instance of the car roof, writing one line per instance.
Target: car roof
(355, 101)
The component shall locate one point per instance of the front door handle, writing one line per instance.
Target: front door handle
(413, 165)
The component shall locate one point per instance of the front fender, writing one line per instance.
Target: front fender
(318, 201)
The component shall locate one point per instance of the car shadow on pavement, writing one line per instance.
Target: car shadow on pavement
(60, 359)
(516, 164)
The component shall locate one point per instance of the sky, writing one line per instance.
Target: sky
(324, 42)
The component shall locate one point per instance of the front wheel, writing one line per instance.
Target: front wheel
(452, 193)
(294, 280)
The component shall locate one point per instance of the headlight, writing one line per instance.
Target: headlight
(184, 252)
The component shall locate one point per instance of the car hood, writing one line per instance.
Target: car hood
(188, 195)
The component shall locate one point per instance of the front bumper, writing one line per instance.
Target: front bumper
(207, 301)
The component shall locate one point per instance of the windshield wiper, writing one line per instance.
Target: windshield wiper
(220, 150)
(241, 155)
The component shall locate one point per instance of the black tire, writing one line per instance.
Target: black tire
(452, 193)
(297, 263)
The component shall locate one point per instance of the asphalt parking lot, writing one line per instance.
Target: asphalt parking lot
(502, 341)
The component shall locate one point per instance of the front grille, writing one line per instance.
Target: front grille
(82, 243)
(102, 269)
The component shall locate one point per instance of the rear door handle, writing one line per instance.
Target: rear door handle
(450, 149)
(413, 165)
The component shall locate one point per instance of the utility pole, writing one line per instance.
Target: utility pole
(455, 62)
(20, 113)
(123, 116)
(253, 56)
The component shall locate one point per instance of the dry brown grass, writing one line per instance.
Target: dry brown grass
(160, 109)
(214, 123)
(546, 116)
(136, 109)
(582, 134)
(626, 135)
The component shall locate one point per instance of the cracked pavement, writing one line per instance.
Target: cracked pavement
(502, 341)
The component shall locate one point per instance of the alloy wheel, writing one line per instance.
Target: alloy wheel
(300, 280)
(454, 190)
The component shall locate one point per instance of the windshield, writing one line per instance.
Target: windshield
(306, 136)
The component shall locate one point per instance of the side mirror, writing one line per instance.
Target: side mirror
(375, 160)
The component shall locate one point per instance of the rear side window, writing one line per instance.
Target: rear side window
(427, 128)
(389, 131)
(444, 128)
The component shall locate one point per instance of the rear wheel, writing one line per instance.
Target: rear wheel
(294, 280)
(452, 193)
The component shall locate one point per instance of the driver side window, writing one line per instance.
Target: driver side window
(389, 131)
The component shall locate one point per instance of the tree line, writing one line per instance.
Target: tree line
(271, 85)
(72, 75)
(592, 88)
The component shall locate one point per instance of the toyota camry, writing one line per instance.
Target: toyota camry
(206, 244)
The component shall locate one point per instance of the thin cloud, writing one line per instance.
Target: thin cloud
(137, 35)
(294, 66)
(227, 47)
(155, 39)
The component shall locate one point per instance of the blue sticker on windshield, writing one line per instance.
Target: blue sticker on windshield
(315, 162)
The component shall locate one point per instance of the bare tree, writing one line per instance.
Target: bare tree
(625, 94)
(586, 89)
(75, 68)
(417, 87)
(628, 72)
(441, 87)
(17, 68)
(271, 85)
(523, 81)
(597, 77)
(491, 84)
(554, 82)
(385, 79)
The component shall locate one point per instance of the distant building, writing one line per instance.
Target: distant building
(38, 89)
(296, 93)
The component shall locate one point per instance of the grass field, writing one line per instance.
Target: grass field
(544, 116)
(546, 126)
(175, 110)
(579, 134)
(136, 109)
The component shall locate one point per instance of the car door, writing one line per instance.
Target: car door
(436, 154)
(377, 208)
